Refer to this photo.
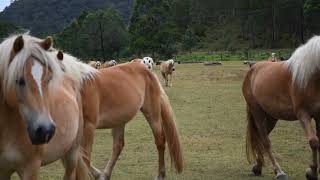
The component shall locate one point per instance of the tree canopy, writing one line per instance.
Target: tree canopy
(162, 28)
(51, 16)
(101, 35)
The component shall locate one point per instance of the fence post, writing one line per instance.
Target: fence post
(247, 54)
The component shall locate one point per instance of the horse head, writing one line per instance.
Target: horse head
(28, 82)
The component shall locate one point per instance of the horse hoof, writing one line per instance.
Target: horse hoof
(103, 177)
(256, 170)
(159, 178)
(310, 176)
(281, 176)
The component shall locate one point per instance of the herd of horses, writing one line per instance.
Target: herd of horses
(51, 105)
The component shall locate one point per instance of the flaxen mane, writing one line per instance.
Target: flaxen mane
(77, 70)
(11, 70)
(305, 61)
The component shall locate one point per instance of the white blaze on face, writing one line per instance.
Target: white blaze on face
(36, 72)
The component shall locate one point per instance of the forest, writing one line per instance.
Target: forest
(164, 28)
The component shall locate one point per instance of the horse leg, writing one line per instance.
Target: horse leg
(154, 120)
(280, 175)
(87, 141)
(69, 162)
(164, 77)
(89, 127)
(6, 175)
(30, 171)
(170, 80)
(317, 120)
(305, 121)
(118, 144)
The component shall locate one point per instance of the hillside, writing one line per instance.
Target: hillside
(51, 16)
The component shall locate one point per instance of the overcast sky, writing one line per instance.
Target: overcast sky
(3, 4)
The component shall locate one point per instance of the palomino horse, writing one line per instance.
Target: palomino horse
(95, 64)
(283, 90)
(41, 113)
(273, 58)
(167, 68)
(109, 64)
(120, 92)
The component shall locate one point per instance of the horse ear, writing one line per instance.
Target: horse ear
(60, 55)
(18, 44)
(47, 43)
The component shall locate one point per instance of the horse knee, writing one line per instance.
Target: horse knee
(314, 142)
(160, 143)
(119, 146)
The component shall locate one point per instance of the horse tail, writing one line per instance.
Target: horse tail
(82, 170)
(257, 141)
(171, 133)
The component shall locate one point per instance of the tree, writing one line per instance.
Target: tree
(152, 28)
(6, 29)
(101, 35)
(312, 14)
(189, 40)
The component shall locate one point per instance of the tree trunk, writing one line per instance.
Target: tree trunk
(101, 40)
(275, 33)
(301, 21)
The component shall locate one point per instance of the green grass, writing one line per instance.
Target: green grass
(232, 56)
(210, 113)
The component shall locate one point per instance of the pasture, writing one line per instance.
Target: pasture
(210, 115)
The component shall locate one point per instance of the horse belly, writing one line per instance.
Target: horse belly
(280, 112)
(113, 119)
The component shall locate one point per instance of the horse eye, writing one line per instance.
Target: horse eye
(21, 82)
(49, 79)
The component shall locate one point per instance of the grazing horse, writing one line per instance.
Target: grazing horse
(167, 68)
(95, 64)
(109, 64)
(283, 90)
(273, 58)
(41, 113)
(120, 92)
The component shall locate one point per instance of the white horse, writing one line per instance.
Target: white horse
(148, 61)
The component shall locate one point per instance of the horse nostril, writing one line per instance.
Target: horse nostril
(40, 131)
(52, 129)
(45, 133)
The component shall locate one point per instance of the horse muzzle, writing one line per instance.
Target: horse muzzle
(42, 134)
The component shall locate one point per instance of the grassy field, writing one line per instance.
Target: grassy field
(210, 113)
(254, 54)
